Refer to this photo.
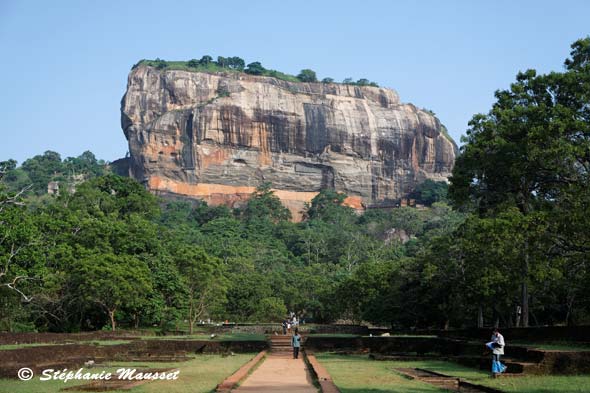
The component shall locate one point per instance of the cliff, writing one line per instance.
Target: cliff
(217, 136)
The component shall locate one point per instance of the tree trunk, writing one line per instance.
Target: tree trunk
(525, 304)
(570, 305)
(112, 316)
(480, 317)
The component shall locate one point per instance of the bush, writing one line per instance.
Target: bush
(307, 75)
(270, 309)
(160, 64)
(255, 68)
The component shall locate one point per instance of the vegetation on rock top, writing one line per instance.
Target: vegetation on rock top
(237, 64)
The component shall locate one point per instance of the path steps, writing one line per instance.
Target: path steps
(281, 344)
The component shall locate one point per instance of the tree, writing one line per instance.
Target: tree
(110, 281)
(193, 63)
(205, 60)
(204, 280)
(265, 205)
(236, 63)
(430, 191)
(41, 169)
(270, 309)
(160, 64)
(531, 150)
(222, 61)
(255, 68)
(328, 206)
(307, 75)
(328, 80)
(348, 81)
(246, 290)
(18, 240)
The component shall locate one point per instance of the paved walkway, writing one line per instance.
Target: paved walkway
(279, 373)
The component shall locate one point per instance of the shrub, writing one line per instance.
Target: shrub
(307, 75)
(255, 68)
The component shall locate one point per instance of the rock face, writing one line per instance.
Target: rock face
(217, 136)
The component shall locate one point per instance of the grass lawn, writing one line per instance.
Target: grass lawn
(19, 346)
(530, 384)
(199, 375)
(379, 376)
(358, 374)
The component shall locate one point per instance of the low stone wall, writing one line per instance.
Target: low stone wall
(74, 355)
(33, 338)
(470, 354)
(541, 334)
(203, 346)
(395, 345)
(304, 329)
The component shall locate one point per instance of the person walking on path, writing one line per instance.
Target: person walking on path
(497, 346)
(296, 343)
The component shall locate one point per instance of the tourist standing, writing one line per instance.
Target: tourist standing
(296, 343)
(497, 346)
(284, 324)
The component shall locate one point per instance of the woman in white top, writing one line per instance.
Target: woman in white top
(498, 345)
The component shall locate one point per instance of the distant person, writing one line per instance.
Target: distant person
(296, 343)
(289, 327)
(497, 346)
(284, 325)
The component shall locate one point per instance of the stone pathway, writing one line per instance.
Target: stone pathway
(279, 373)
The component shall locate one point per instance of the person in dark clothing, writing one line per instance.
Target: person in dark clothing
(296, 343)
(284, 327)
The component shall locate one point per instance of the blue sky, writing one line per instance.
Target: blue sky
(64, 64)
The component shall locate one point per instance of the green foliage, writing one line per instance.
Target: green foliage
(255, 68)
(530, 153)
(430, 191)
(307, 75)
(264, 205)
(360, 82)
(270, 309)
(111, 281)
(237, 64)
(205, 282)
(328, 206)
(35, 173)
(112, 254)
